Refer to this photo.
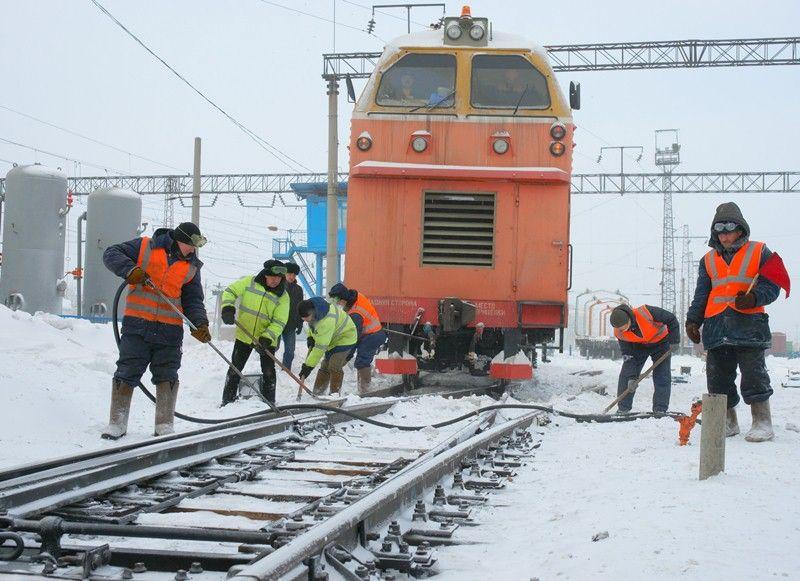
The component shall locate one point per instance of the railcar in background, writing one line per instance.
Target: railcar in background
(458, 201)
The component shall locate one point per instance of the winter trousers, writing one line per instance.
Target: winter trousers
(241, 353)
(367, 347)
(289, 337)
(662, 379)
(136, 353)
(331, 371)
(721, 363)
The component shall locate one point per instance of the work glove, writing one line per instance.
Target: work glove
(137, 276)
(299, 329)
(745, 300)
(201, 333)
(305, 371)
(310, 342)
(266, 344)
(693, 332)
(228, 315)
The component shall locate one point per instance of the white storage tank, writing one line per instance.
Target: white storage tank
(34, 226)
(113, 215)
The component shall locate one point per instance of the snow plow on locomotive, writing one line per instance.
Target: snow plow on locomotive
(458, 201)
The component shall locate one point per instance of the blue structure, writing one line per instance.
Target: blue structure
(293, 249)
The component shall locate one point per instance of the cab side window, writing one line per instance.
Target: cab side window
(419, 80)
(507, 82)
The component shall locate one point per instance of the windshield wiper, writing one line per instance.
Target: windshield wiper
(439, 102)
(521, 97)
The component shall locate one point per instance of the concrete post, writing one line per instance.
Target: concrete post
(196, 184)
(712, 435)
(332, 247)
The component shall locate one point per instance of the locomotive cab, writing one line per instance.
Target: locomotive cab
(458, 201)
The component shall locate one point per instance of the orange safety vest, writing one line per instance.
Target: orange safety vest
(372, 322)
(652, 332)
(729, 279)
(145, 303)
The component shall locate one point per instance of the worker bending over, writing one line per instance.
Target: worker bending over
(332, 337)
(371, 335)
(152, 332)
(263, 312)
(644, 332)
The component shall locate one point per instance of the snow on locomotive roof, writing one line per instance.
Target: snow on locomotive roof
(435, 38)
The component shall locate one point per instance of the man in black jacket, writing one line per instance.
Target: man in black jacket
(646, 331)
(295, 325)
(735, 327)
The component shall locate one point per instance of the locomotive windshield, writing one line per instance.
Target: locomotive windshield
(507, 82)
(418, 80)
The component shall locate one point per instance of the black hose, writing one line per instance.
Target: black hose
(150, 396)
(599, 418)
(17, 551)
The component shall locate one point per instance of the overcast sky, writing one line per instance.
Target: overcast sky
(65, 62)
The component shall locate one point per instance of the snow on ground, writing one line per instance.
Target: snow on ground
(631, 479)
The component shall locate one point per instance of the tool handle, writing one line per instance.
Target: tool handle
(752, 284)
(632, 385)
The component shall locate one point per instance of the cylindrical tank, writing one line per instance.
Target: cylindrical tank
(33, 239)
(113, 215)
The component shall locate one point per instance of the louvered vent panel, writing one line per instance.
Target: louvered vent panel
(458, 229)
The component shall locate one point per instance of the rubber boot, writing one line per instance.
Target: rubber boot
(321, 381)
(731, 423)
(121, 394)
(166, 396)
(364, 379)
(337, 378)
(268, 381)
(761, 431)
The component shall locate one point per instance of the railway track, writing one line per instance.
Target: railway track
(265, 498)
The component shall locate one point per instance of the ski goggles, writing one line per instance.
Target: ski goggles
(725, 226)
(276, 270)
(198, 240)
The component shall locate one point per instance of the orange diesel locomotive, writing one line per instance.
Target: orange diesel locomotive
(458, 201)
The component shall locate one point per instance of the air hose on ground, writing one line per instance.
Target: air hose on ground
(599, 418)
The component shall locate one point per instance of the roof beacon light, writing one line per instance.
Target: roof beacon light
(466, 12)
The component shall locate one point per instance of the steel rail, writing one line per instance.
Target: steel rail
(374, 508)
(55, 487)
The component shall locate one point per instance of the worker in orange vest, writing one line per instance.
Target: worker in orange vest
(371, 335)
(152, 332)
(643, 332)
(735, 326)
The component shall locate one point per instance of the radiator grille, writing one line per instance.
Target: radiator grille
(458, 229)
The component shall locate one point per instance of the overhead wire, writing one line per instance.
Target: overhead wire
(278, 154)
(87, 138)
(64, 157)
(322, 18)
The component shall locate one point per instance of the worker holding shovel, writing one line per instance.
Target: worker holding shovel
(644, 332)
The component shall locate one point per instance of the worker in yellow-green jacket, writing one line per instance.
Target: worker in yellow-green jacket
(263, 309)
(332, 337)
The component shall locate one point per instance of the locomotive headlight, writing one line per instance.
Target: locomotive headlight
(557, 148)
(476, 32)
(453, 32)
(419, 144)
(500, 146)
(364, 141)
(558, 131)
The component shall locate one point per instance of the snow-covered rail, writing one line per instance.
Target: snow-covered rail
(261, 499)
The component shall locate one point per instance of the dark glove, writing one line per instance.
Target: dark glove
(305, 371)
(266, 344)
(745, 300)
(310, 342)
(201, 333)
(299, 329)
(137, 276)
(228, 315)
(693, 332)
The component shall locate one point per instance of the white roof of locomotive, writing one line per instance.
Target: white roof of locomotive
(435, 39)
